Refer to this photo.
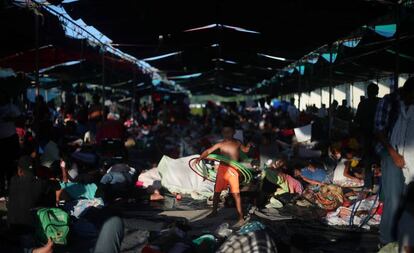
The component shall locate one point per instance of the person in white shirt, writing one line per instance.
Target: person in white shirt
(9, 141)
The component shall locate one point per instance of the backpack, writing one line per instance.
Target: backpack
(52, 223)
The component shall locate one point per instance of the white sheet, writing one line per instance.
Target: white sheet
(177, 176)
(304, 133)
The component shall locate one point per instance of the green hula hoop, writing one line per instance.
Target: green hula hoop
(247, 174)
(201, 170)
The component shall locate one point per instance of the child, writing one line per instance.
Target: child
(313, 175)
(226, 175)
(347, 173)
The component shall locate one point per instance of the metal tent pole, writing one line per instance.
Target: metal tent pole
(397, 48)
(299, 87)
(133, 98)
(321, 94)
(103, 80)
(330, 92)
(330, 79)
(37, 54)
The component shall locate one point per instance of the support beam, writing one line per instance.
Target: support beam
(103, 81)
(300, 90)
(397, 48)
(330, 78)
(37, 82)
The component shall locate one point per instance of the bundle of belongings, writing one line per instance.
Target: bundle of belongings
(252, 237)
(363, 213)
(329, 197)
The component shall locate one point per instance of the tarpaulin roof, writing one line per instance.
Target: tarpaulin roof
(368, 53)
(228, 42)
(61, 40)
(224, 47)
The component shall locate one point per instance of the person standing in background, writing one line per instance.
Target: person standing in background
(293, 111)
(365, 118)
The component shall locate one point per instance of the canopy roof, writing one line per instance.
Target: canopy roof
(64, 42)
(222, 46)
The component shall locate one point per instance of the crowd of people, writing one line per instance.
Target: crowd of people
(84, 157)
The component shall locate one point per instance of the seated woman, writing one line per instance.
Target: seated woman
(347, 173)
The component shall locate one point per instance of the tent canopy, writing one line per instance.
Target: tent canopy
(228, 42)
(223, 47)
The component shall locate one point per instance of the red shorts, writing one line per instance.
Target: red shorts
(227, 176)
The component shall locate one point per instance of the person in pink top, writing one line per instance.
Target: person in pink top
(294, 185)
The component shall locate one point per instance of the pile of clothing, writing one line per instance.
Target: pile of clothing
(363, 213)
(252, 237)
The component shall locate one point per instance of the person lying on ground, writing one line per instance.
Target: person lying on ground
(226, 175)
(150, 180)
(312, 175)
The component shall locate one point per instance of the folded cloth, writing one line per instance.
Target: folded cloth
(342, 215)
(78, 191)
(77, 207)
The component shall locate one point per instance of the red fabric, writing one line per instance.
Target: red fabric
(287, 132)
(110, 129)
(139, 184)
(44, 173)
(128, 123)
(380, 208)
(20, 132)
(150, 249)
(48, 56)
(156, 97)
(53, 55)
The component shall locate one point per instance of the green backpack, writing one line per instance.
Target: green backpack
(53, 223)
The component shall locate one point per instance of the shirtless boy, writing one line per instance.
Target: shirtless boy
(226, 175)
